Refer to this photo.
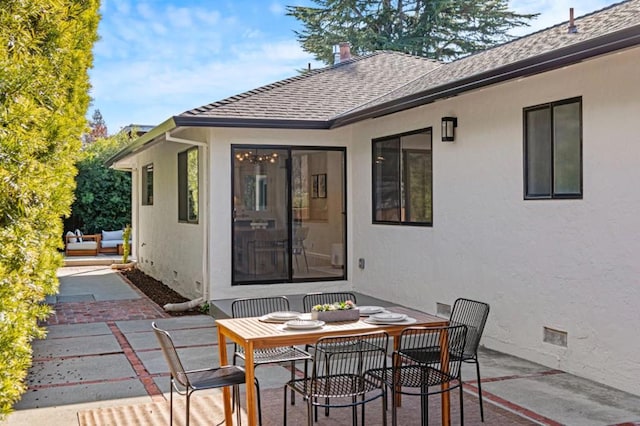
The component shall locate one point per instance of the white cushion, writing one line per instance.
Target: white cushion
(110, 243)
(85, 245)
(71, 240)
(112, 235)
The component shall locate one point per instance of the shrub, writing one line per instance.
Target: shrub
(45, 52)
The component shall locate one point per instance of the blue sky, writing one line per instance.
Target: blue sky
(158, 58)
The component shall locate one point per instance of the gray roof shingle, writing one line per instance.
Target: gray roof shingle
(606, 21)
(324, 93)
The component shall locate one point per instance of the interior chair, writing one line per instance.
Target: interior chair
(420, 364)
(269, 250)
(255, 307)
(297, 245)
(186, 382)
(474, 315)
(341, 378)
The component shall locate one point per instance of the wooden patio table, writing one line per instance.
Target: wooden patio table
(251, 333)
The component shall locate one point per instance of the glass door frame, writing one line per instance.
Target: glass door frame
(289, 215)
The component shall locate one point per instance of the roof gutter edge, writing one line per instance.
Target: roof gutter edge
(251, 123)
(143, 140)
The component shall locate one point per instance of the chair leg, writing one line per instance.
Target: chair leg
(424, 405)
(384, 406)
(479, 390)
(236, 393)
(171, 402)
(309, 412)
(293, 376)
(462, 407)
(304, 252)
(394, 407)
(284, 418)
(187, 409)
(259, 402)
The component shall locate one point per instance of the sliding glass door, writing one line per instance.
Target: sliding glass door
(288, 214)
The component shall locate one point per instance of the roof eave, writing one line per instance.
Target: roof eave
(141, 142)
(569, 55)
(250, 123)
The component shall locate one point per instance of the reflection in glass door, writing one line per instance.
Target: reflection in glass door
(260, 215)
(317, 194)
(288, 214)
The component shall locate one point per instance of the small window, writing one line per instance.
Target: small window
(147, 185)
(402, 179)
(553, 150)
(188, 186)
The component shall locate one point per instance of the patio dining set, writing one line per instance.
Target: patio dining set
(346, 363)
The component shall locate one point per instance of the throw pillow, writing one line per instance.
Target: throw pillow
(79, 235)
(72, 237)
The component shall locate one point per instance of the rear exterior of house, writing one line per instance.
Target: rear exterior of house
(531, 208)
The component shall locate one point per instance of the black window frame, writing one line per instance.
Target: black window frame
(183, 186)
(552, 194)
(401, 176)
(147, 184)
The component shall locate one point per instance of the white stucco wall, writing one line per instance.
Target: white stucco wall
(566, 264)
(220, 215)
(166, 249)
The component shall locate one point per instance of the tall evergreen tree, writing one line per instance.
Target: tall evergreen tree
(98, 128)
(45, 52)
(437, 29)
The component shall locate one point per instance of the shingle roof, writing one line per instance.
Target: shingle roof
(606, 21)
(386, 82)
(324, 93)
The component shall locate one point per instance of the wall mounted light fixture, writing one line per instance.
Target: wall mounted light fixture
(448, 128)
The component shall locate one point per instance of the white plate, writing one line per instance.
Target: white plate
(303, 324)
(284, 315)
(406, 321)
(388, 317)
(370, 310)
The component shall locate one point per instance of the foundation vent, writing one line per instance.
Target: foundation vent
(555, 337)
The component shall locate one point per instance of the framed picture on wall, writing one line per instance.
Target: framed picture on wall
(322, 185)
(314, 186)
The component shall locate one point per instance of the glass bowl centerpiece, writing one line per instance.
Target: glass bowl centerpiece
(337, 311)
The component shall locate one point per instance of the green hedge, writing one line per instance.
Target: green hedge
(103, 195)
(45, 52)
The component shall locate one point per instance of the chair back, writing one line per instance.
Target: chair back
(171, 356)
(258, 306)
(474, 315)
(341, 370)
(421, 351)
(312, 299)
(300, 234)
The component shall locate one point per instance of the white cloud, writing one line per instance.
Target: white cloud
(158, 59)
(276, 8)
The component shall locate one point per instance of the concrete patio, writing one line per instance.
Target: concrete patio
(100, 352)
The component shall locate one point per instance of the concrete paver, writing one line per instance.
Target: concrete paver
(100, 351)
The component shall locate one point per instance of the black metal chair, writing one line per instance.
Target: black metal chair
(420, 364)
(342, 375)
(255, 307)
(474, 315)
(186, 382)
(310, 300)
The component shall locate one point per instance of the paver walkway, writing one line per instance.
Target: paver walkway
(100, 352)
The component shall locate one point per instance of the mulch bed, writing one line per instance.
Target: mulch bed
(155, 290)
